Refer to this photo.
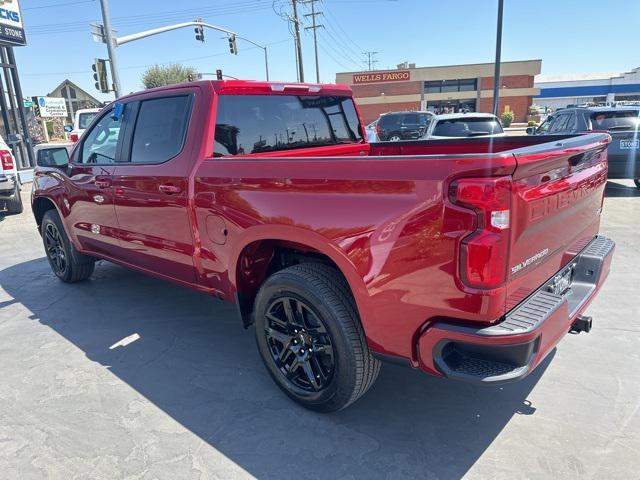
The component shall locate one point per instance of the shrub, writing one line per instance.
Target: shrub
(507, 118)
(531, 123)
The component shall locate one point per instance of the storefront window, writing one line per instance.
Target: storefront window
(446, 86)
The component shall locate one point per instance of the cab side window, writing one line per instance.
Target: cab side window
(101, 142)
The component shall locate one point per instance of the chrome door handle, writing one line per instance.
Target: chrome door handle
(169, 188)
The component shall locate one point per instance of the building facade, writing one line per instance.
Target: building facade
(75, 97)
(560, 91)
(444, 89)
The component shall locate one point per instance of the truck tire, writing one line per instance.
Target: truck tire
(637, 182)
(67, 263)
(310, 337)
(14, 202)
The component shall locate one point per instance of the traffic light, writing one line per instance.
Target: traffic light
(99, 68)
(36, 106)
(219, 74)
(233, 48)
(199, 31)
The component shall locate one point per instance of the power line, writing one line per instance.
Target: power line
(169, 62)
(56, 5)
(315, 26)
(340, 51)
(237, 7)
(370, 61)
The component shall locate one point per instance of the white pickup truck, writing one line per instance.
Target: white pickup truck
(9, 180)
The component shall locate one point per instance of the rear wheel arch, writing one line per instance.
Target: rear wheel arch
(260, 257)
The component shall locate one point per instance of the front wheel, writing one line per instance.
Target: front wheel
(637, 182)
(67, 263)
(310, 337)
(395, 138)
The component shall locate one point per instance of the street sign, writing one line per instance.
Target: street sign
(11, 29)
(28, 103)
(51, 106)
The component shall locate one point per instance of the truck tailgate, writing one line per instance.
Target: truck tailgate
(557, 198)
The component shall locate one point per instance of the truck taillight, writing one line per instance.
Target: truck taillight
(74, 137)
(6, 159)
(484, 253)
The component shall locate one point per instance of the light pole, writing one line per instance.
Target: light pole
(111, 47)
(496, 72)
(264, 48)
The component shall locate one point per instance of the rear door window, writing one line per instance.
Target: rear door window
(615, 120)
(85, 119)
(467, 127)
(160, 129)
(265, 123)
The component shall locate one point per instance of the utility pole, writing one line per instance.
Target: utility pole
(496, 72)
(296, 26)
(314, 27)
(370, 61)
(111, 48)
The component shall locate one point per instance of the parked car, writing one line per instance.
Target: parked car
(621, 122)
(463, 125)
(81, 121)
(398, 126)
(9, 180)
(470, 267)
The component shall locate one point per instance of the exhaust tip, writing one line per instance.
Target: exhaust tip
(581, 324)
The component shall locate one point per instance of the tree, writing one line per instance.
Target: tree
(159, 75)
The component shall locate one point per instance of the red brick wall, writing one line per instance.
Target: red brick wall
(372, 112)
(518, 105)
(512, 81)
(391, 88)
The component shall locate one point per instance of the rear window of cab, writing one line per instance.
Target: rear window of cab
(248, 124)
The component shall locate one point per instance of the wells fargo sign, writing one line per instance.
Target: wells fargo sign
(377, 77)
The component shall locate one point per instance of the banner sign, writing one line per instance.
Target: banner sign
(378, 77)
(51, 106)
(11, 29)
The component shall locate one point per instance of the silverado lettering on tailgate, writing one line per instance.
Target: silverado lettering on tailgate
(529, 261)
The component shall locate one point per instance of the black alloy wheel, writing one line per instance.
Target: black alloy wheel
(55, 249)
(310, 337)
(68, 264)
(299, 343)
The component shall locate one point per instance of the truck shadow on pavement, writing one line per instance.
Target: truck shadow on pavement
(194, 361)
(614, 189)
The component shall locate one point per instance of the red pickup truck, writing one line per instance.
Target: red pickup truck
(469, 259)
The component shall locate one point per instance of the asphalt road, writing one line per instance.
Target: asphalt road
(186, 396)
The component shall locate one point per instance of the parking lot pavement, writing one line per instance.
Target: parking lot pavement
(125, 376)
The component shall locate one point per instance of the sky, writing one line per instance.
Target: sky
(570, 36)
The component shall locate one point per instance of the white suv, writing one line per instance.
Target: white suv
(82, 120)
(9, 180)
(464, 125)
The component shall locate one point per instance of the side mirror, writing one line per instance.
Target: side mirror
(68, 128)
(531, 130)
(57, 157)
